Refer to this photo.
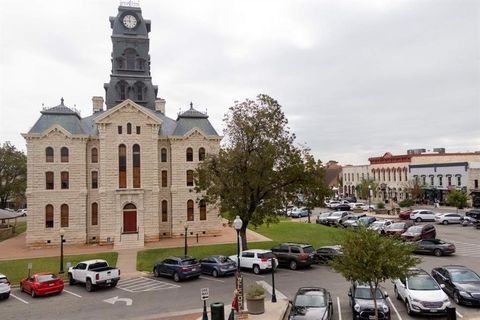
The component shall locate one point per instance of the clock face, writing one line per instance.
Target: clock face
(129, 21)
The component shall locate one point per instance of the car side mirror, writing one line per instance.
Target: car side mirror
(442, 286)
(386, 294)
(349, 294)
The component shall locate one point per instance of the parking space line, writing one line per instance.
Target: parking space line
(143, 284)
(394, 309)
(458, 314)
(122, 282)
(73, 294)
(147, 286)
(291, 271)
(211, 279)
(339, 309)
(134, 280)
(19, 299)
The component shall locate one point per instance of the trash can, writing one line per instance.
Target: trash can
(451, 313)
(217, 312)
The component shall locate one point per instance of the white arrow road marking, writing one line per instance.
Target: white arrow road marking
(19, 299)
(394, 309)
(339, 309)
(127, 301)
(73, 294)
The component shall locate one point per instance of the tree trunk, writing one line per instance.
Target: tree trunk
(374, 295)
(243, 235)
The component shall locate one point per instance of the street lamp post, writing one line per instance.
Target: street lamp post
(185, 226)
(237, 224)
(274, 266)
(62, 233)
(369, 196)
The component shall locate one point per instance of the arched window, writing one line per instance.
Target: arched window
(64, 180)
(163, 155)
(139, 91)
(164, 211)
(64, 216)
(64, 154)
(49, 180)
(190, 210)
(129, 128)
(123, 89)
(189, 178)
(136, 166)
(131, 56)
(94, 214)
(203, 210)
(94, 155)
(49, 154)
(48, 216)
(94, 179)
(189, 154)
(122, 166)
(201, 154)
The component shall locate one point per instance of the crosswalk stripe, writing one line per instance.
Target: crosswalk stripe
(142, 284)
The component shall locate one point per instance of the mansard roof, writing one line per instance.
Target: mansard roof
(60, 115)
(192, 118)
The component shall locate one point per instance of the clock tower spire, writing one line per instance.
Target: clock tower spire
(130, 77)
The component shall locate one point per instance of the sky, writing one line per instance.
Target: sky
(355, 78)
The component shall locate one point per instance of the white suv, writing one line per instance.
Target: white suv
(4, 287)
(421, 293)
(422, 215)
(256, 259)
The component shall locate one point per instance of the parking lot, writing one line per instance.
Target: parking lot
(149, 297)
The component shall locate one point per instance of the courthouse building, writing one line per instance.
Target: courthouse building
(123, 175)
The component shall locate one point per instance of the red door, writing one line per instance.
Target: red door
(129, 218)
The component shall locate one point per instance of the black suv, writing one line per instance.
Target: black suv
(294, 255)
(361, 301)
(475, 214)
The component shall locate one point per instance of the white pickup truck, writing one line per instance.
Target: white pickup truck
(93, 273)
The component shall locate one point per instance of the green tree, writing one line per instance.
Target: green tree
(372, 259)
(414, 188)
(257, 167)
(457, 198)
(13, 174)
(363, 188)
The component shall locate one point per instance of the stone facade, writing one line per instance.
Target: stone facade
(122, 175)
(353, 176)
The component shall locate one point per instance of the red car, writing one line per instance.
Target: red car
(405, 215)
(41, 283)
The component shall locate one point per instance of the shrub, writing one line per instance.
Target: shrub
(406, 203)
(381, 205)
(254, 291)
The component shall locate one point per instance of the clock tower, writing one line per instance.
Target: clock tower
(130, 77)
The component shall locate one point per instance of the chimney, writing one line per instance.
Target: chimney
(97, 104)
(160, 105)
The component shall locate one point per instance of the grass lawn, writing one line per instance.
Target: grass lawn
(315, 234)
(15, 270)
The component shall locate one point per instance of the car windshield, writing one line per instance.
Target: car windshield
(336, 214)
(464, 276)
(377, 224)
(415, 229)
(422, 282)
(46, 277)
(189, 262)
(398, 225)
(267, 255)
(366, 293)
(3, 280)
(311, 299)
(325, 214)
(308, 249)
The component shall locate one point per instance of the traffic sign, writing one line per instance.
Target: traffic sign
(204, 293)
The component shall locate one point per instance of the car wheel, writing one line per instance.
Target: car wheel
(456, 298)
(409, 310)
(396, 293)
(215, 273)
(71, 281)
(89, 285)
(33, 293)
(156, 274)
(256, 269)
(418, 220)
(176, 277)
(437, 252)
(293, 265)
(445, 222)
